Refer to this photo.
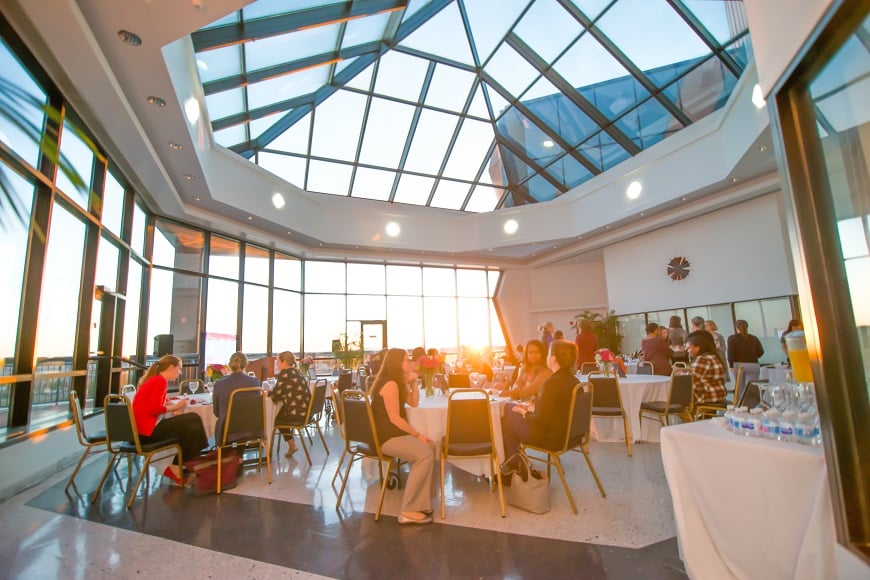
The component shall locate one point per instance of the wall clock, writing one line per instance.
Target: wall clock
(678, 268)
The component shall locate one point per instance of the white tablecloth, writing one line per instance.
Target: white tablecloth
(748, 508)
(634, 389)
(204, 408)
(430, 418)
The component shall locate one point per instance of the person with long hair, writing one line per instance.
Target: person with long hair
(742, 346)
(708, 369)
(292, 391)
(656, 350)
(395, 386)
(150, 408)
(223, 389)
(587, 343)
(719, 340)
(531, 375)
(676, 334)
(545, 421)
(793, 324)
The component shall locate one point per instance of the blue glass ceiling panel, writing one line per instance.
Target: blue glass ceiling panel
(287, 86)
(260, 54)
(548, 28)
(363, 30)
(442, 35)
(219, 63)
(449, 88)
(725, 19)
(490, 21)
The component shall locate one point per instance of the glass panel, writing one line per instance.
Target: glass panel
(439, 323)
(256, 264)
(255, 314)
(449, 88)
(337, 123)
(286, 321)
(633, 331)
(366, 279)
(592, 8)
(366, 307)
(547, 28)
(137, 238)
(385, 133)
(413, 189)
(294, 139)
(470, 282)
(362, 80)
(473, 322)
(231, 136)
(705, 89)
(219, 63)
(324, 321)
(439, 281)
(324, 277)
(766, 319)
(492, 277)
(560, 114)
(177, 246)
(484, 199)
(13, 246)
(78, 155)
(404, 280)
(433, 134)
(490, 21)
(288, 272)
(497, 101)
(25, 143)
(267, 52)
(174, 309)
(520, 130)
(588, 63)
(450, 194)
(469, 150)
(265, 8)
(107, 265)
(362, 30)
(287, 167)
(373, 184)
(496, 334)
(442, 35)
(400, 76)
(221, 320)
(569, 172)
(405, 321)
(223, 259)
(225, 103)
(287, 87)
(131, 309)
(326, 177)
(651, 33)
(541, 189)
(511, 70)
(478, 105)
(113, 204)
(725, 19)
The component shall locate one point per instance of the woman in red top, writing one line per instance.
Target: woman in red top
(587, 343)
(149, 406)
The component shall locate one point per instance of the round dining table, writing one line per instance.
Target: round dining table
(634, 390)
(201, 404)
(430, 418)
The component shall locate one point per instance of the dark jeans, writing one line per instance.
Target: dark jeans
(187, 428)
(514, 429)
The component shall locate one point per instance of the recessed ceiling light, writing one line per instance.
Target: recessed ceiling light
(684, 198)
(176, 146)
(156, 101)
(189, 177)
(548, 144)
(277, 200)
(643, 213)
(606, 227)
(392, 229)
(130, 38)
(735, 179)
(289, 233)
(250, 218)
(633, 190)
(197, 198)
(511, 227)
(763, 148)
(758, 97)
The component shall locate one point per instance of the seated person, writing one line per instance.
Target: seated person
(656, 350)
(707, 369)
(531, 375)
(292, 391)
(474, 363)
(238, 379)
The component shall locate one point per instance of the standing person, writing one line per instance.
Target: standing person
(676, 334)
(743, 347)
(586, 342)
(558, 335)
(656, 350)
(394, 387)
(718, 339)
(149, 406)
(546, 333)
(223, 388)
(531, 376)
(793, 324)
(707, 370)
(292, 391)
(543, 422)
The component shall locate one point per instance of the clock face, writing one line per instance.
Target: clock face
(678, 268)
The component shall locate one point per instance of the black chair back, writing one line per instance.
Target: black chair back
(751, 396)
(345, 381)
(605, 391)
(468, 418)
(458, 381)
(120, 422)
(580, 419)
(681, 389)
(358, 425)
(588, 367)
(644, 368)
(318, 398)
(245, 416)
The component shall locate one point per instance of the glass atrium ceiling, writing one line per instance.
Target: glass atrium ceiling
(468, 105)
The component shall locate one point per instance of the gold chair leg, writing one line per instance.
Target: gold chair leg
(78, 466)
(561, 471)
(302, 433)
(594, 473)
(443, 508)
(627, 433)
(338, 467)
(383, 490)
(344, 482)
(496, 471)
(322, 440)
(114, 457)
(220, 464)
(139, 479)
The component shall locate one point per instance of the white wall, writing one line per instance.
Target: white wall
(737, 253)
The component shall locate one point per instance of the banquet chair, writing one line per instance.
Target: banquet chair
(458, 381)
(679, 401)
(344, 382)
(122, 439)
(96, 439)
(644, 367)
(361, 441)
(708, 410)
(128, 391)
(751, 396)
(469, 434)
(607, 402)
(185, 386)
(588, 367)
(576, 439)
(312, 419)
(680, 364)
(245, 425)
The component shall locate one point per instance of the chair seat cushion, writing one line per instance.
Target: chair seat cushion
(130, 447)
(607, 411)
(659, 407)
(96, 437)
(469, 449)
(363, 449)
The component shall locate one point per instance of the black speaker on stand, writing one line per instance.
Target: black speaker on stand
(163, 344)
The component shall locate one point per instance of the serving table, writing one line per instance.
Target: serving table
(747, 507)
(634, 390)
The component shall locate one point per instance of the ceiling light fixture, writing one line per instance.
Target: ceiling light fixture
(176, 146)
(130, 38)
(633, 190)
(156, 101)
(197, 198)
(189, 177)
(762, 148)
(758, 97)
(277, 200)
(548, 144)
(511, 227)
(250, 218)
(392, 229)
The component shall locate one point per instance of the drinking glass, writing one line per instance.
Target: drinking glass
(194, 387)
(208, 387)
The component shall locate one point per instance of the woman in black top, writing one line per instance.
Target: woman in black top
(395, 386)
(292, 391)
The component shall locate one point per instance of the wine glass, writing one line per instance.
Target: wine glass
(194, 387)
(209, 386)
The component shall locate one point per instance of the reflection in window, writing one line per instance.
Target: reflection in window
(131, 309)
(288, 272)
(174, 309)
(767, 319)
(178, 246)
(286, 321)
(80, 159)
(255, 316)
(223, 258)
(25, 143)
(113, 205)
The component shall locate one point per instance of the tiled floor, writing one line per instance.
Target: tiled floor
(292, 528)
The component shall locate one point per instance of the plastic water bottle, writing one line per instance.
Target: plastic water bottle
(729, 417)
(787, 426)
(803, 430)
(755, 419)
(770, 424)
(817, 431)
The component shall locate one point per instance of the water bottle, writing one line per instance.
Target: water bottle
(770, 424)
(787, 426)
(755, 420)
(817, 431)
(737, 419)
(803, 431)
(729, 417)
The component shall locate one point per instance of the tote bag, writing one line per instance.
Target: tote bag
(531, 494)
